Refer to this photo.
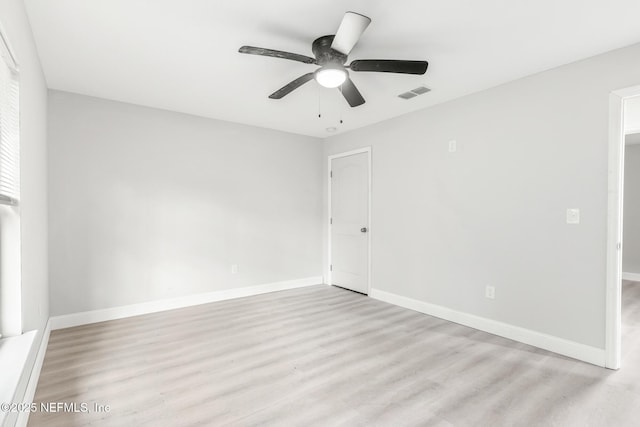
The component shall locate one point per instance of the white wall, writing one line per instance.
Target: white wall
(631, 238)
(149, 204)
(445, 225)
(33, 203)
(632, 139)
(632, 115)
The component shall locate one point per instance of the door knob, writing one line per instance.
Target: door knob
(363, 230)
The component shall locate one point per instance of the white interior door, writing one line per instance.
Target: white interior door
(350, 222)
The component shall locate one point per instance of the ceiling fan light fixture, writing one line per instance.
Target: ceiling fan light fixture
(331, 75)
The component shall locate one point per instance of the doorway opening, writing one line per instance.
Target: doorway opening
(630, 304)
(623, 233)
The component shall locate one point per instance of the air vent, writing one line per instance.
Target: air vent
(407, 95)
(420, 90)
(414, 92)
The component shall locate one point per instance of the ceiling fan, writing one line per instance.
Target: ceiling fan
(331, 54)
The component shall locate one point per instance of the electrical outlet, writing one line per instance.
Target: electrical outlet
(573, 216)
(490, 292)
(453, 146)
(234, 269)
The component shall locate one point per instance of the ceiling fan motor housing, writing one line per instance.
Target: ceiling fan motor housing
(321, 48)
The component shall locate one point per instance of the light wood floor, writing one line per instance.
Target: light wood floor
(325, 356)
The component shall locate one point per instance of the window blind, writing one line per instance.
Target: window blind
(9, 128)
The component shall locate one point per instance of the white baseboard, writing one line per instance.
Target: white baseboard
(94, 316)
(634, 277)
(30, 392)
(568, 348)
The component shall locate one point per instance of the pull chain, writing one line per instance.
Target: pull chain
(341, 105)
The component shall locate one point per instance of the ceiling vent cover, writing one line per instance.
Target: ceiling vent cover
(415, 92)
(407, 95)
(421, 90)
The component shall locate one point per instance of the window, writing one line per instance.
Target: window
(9, 129)
(10, 274)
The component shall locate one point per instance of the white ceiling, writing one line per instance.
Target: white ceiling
(181, 55)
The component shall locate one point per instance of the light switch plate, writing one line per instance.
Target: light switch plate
(453, 146)
(573, 216)
(490, 292)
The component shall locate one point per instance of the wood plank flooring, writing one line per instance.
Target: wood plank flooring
(323, 356)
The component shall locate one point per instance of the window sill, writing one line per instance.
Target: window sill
(14, 352)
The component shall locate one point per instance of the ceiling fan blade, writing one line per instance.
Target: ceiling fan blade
(251, 50)
(390, 66)
(351, 28)
(351, 93)
(288, 88)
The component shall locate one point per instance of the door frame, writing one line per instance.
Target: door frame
(613, 309)
(330, 158)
